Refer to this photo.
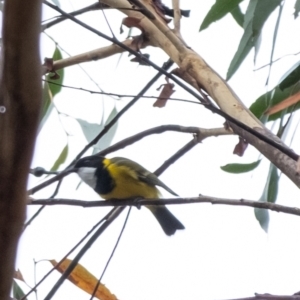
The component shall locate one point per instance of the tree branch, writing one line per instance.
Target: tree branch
(93, 55)
(168, 201)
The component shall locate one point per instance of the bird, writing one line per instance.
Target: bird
(122, 178)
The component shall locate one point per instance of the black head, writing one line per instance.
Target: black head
(93, 161)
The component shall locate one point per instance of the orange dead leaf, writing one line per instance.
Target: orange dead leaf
(83, 279)
(167, 91)
(283, 104)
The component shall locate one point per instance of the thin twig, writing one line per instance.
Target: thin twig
(112, 254)
(84, 249)
(169, 201)
(118, 95)
(166, 66)
(190, 145)
(281, 147)
(69, 253)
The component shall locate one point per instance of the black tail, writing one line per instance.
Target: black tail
(166, 219)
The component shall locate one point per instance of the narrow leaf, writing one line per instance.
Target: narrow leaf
(292, 100)
(218, 11)
(270, 99)
(297, 8)
(17, 291)
(86, 281)
(256, 15)
(247, 42)
(240, 168)
(61, 158)
(90, 130)
(55, 89)
(262, 216)
(56, 2)
(269, 195)
(291, 78)
(108, 137)
(238, 15)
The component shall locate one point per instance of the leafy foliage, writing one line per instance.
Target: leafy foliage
(219, 10)
(256, 15)
(240, 168)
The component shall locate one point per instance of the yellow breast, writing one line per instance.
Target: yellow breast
(127, 183)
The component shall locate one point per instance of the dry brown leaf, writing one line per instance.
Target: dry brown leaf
(283, 104)
(165, 94)
(240, 147)
(133, 22)
(83, 279)
(18, 275)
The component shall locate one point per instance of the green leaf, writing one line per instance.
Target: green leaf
(55, 89)
(297, 8)
(47, 106)
(256, 15)
(56, 2)
(292, 78)
(17, 291)
(269, 195)
(108, 137)
(262, 216)
(238, 15)
(91, 130)
(49, 91)
(61, 158)
(271, 98)
(240, 168)
(218, 11)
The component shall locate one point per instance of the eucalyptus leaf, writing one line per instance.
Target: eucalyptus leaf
(47, 106)
(291, 78)
(256, 15)
(17, 291)
(262, 216)
(108, 137)
(271, 98)
(297, 8)
(238, 15)
(91, 130)
(240, 168)
(56, 2)
(56, 88)
(218, 11)
(61, 158)
(269, 195)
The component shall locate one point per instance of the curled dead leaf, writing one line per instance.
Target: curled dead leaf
(240, 147)
(165, 94)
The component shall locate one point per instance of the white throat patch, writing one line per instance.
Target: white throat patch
(88, 176)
